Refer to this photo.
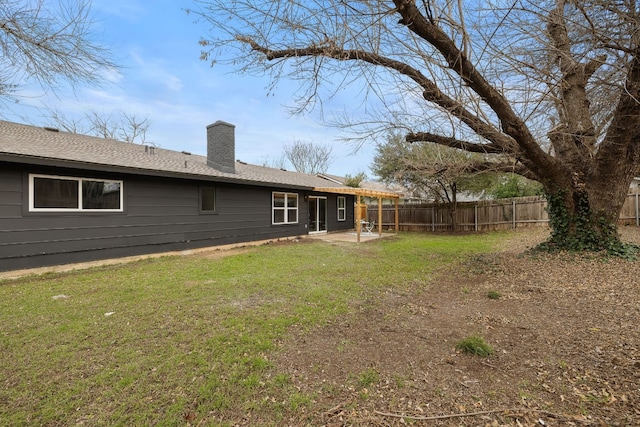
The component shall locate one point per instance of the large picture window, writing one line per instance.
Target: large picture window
(58, 193)
(285, 208)
(342, 208)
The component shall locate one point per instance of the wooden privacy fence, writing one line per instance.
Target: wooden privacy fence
(483, 215)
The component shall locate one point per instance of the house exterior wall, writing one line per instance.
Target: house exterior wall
(160, 214)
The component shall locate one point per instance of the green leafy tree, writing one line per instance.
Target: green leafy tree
(431, 171)
(355, 180)
(511, 185)
(550, 86)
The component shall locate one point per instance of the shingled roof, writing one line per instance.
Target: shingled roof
(36, 145)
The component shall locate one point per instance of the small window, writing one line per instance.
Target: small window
(58, 194)
(285, 208)
(207, 199)
(342, 208)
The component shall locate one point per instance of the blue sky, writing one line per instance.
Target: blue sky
(163, 79)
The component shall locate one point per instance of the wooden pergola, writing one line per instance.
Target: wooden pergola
(363, 192)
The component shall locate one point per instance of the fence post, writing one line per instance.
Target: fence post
(513, 214)
(475, 219)
(433, 219)
(396, 222)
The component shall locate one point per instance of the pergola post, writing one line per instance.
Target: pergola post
(379, 216)
(358, 218)
(364, 192)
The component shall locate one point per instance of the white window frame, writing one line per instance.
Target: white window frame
(342, 211)
(79, 180)
(286, 209)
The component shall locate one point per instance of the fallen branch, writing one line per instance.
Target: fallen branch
(440, 417)
(334, 409)
(495, 411)
(489, 365)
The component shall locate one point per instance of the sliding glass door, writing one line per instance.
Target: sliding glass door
(317, 214)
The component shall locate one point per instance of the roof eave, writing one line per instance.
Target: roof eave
(71, 164)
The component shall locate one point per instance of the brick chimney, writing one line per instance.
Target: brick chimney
(221, 146)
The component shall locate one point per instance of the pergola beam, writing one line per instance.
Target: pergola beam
(358, 191)
(363, 192)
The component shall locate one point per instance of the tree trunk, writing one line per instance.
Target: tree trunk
(584, 217)
(454, 207)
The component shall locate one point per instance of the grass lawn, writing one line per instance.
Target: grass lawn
(189, 340)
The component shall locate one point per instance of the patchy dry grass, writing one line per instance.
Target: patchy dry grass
(334, 334)
(564, 333)
(192, 341)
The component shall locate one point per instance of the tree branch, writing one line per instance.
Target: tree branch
(505, 167)
(471, 147)
(623, 136)
(431, 92)
(578, 137)
(474, 168)
(536, 159)
(49, 45)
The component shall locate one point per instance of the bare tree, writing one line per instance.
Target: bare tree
(551, 86)
(48, 42)
(116, 125)
(276, 163)
(307, 157)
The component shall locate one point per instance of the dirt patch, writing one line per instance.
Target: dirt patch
(221, 253)
(565, 332)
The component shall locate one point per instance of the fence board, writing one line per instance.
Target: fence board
(482, 215)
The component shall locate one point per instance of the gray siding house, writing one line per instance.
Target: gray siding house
(67, 198)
